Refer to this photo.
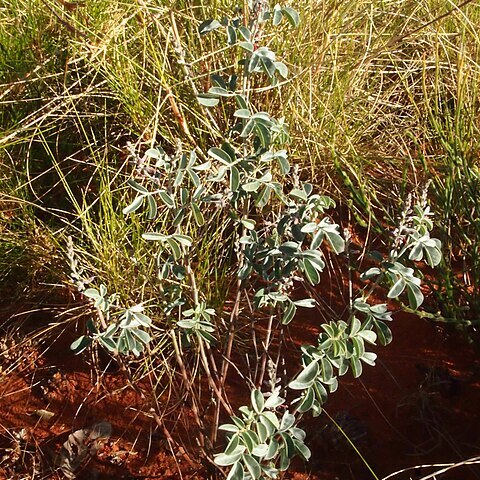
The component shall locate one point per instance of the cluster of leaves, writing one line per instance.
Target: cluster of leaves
(198, 321)
(341, 345)
(125, 335)
(290, 249)
(258, 59)
(179, 189)
(413, 243)
(262, 442)
(181, 174)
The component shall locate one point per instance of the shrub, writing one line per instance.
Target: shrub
(280, 233)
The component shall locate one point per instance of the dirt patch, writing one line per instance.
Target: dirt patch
(418, 406)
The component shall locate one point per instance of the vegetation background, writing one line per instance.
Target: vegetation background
(382, 98)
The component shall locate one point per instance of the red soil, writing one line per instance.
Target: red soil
(418, 406)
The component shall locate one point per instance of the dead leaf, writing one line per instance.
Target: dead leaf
(81, 446)
(43, 414)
